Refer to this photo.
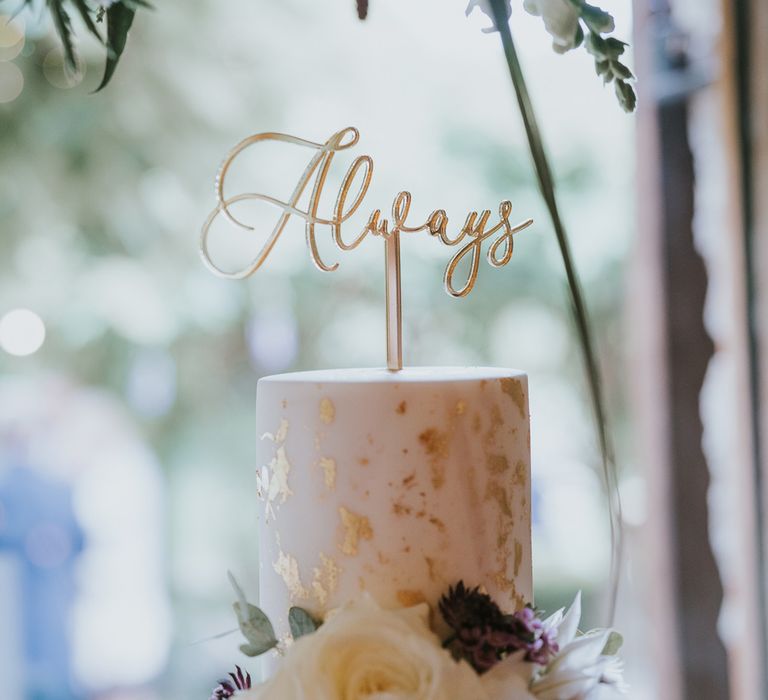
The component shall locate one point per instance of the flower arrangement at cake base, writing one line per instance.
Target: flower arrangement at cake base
(362, 651)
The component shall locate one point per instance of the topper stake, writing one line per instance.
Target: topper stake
(394, 302)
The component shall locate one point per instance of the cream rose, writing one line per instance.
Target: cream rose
(365, 652)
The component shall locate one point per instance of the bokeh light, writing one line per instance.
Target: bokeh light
(11, 82)
(22, 332)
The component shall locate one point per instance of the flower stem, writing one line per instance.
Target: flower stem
(578, 305)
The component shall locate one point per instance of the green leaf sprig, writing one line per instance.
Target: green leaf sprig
(257, 628)
(118, 16)
(606, 50)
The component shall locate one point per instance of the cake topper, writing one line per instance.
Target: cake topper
(469, 239)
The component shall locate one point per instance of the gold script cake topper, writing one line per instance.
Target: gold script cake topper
(469, 239)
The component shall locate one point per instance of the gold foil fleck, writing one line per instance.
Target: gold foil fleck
(439, 524)
(514, 389)
(402, 407)
(497, 420)
(327, 411)
(518, 556)
(431, 568)
(288, 569)
(435, 444)
(410, 597)
(498, 493)
(328, 466)
(356, 528)
(497, 464)
(461, 408)
(326, 578)
(521, 474)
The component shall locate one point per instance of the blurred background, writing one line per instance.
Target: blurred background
(128, 371)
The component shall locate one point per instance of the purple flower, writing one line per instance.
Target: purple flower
(227, 688)
(483, 635)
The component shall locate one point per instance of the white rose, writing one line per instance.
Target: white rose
(365, 652)
(561, 20)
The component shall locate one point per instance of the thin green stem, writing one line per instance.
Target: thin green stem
(578, 305)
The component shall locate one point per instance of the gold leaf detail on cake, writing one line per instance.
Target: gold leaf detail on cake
(326, 578)
(497, 464)
(521, 474)
(518, 556)
(272, 479)
(408, 597)
(497, 420)
(287, 568)
(461, 408)
(280, 435)
(402, 407)
(435, 444)
(327, 411)
(328, 466)
(431, 568)
(356, 528)
(496, 492)
(514, 389)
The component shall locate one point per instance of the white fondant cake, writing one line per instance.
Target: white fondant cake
(397, 483)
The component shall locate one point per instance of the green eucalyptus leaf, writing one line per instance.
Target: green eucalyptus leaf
(614, 643)
(301, 622)
(119, 21)
(602, 67)
(63, 24)
(85, 14)
(250, 650)
(256, 627)
(254, 623)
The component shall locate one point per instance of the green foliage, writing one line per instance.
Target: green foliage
(614, 643)
(301, 622)
(254, 624)
(605, 50)
(119, 17)
(119, 20)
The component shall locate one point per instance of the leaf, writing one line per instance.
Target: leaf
(63, 24)
(614, 643)
(254, 624)
(614, 47)
(250, 650)
(136, 4)
(602, 67)
(597, 19)
(597, 46)
(578, 40)
(85, 14)
(119, 21)
(626, 95)
(621, 71)
(301, 622)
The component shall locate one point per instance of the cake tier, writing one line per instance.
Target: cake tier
(397, 483)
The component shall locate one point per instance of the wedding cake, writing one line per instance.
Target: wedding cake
(395, 504)
(394, 483)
